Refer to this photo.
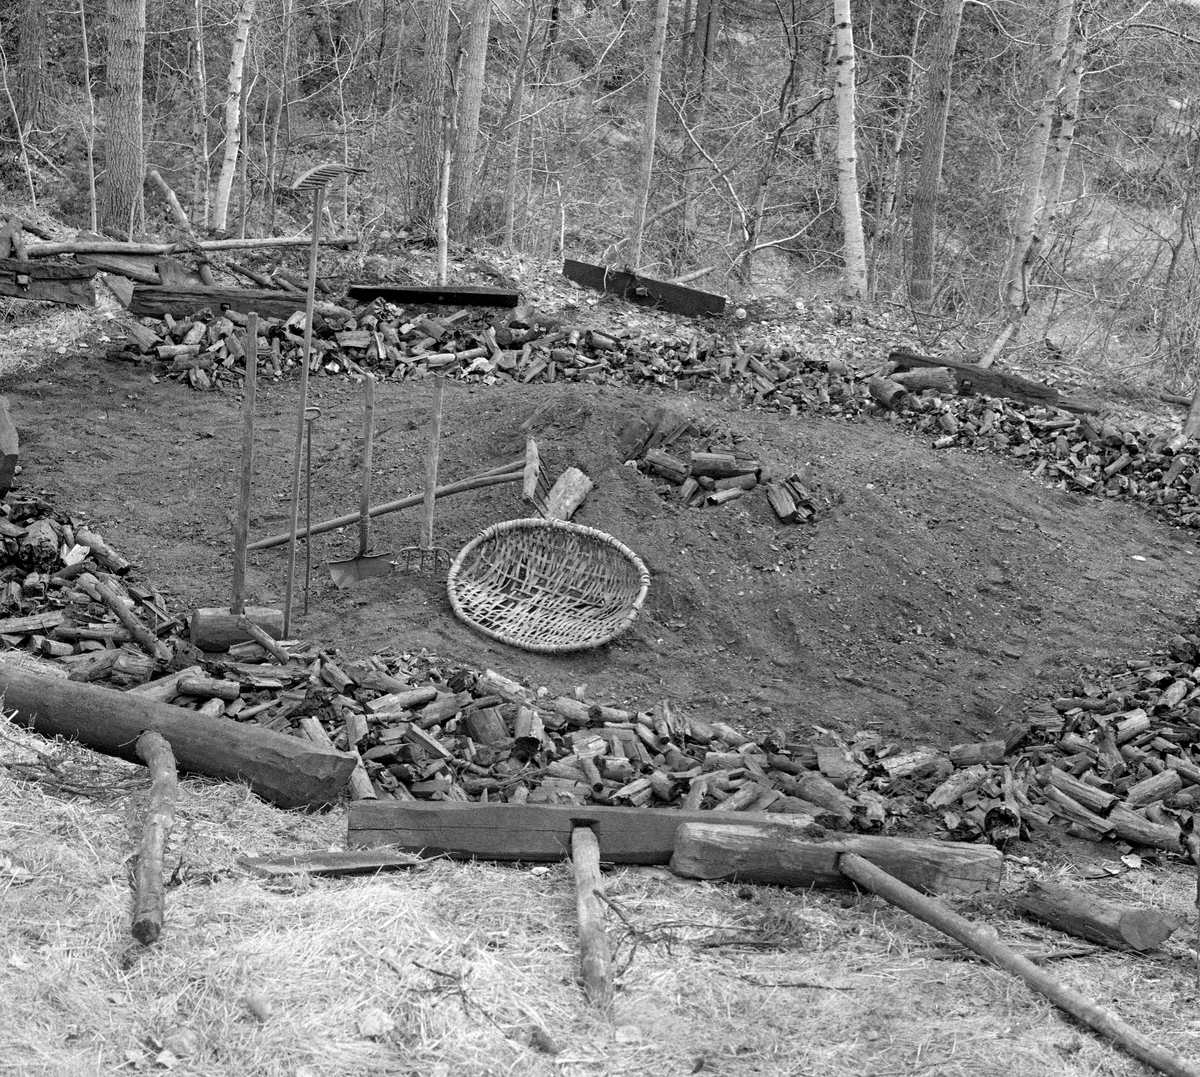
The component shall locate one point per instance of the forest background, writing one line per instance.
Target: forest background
(1012, 173)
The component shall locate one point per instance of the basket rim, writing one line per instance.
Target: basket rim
(535, 523)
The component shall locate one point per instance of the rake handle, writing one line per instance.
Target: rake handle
(431, 464)
(364, 501)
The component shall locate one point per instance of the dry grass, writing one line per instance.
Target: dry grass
(469, 969)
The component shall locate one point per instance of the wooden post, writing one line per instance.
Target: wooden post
(1082, 1008)
(148, 900)
(595, 961)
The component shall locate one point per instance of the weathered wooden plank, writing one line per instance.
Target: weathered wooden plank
(48, 282)
(645, 291)
(137, 267)
(469, 831)
(324, 862)
(457, 295)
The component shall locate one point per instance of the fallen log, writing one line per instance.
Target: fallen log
(780, 856)
(109, 246)
(1092, 918)
(644, 291)
(978, 939)
(469, 831)
(288, 771)
(153, 302)
(149, 903)
(595, 957)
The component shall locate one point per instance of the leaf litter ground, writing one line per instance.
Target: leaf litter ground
(944, 593)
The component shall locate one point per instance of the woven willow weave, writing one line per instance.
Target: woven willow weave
(548, 585)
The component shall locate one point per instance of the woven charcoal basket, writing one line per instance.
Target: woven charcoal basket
(548, 585)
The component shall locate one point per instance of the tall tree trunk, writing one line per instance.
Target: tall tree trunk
(89, 130)
(1014, 281)
(282, 113)
(434, 81)
(511, 126)
(233, 110)
(199, 76)
(650, 131)
(854, 251)
(933, 146)
(31, 63)
(470, 99)
(699, 53)
(124, 208)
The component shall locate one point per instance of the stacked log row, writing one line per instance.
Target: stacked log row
(1080, 453)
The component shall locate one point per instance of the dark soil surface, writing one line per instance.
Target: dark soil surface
(946, 591)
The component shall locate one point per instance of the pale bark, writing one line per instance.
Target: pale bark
(933, 146)
(434, 81)
(89, 130)
(854, 251)
(649, 132)
(470, 99)
(199, 77)
(233, 110)
(124, 208)
(1035, 182)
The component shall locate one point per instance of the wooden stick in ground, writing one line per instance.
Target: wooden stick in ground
(148, 899)
(595, 959)
(1083, 1009)
(241, 526)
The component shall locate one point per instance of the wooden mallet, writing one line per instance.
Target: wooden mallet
(213, 628)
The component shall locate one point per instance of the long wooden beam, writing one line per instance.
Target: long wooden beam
(458, 295)
(291, 772)
(655, 835)
(645, 291)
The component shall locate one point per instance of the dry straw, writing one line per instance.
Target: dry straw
(469, 969)
(548, 585)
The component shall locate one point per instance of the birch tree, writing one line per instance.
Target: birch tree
(854, 251)
(649, 131)
(470, 100)
(124, 210)
(199, 79)
(233, 110)
(1036, 181)
(933, 146)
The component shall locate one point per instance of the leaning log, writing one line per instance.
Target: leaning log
(107, 246)
(1093, 918)
(777, 856)
(987, 946)
(149, 903)
(288, 771)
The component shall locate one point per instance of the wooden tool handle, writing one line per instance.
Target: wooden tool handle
(241, 525)
(364, 503)
(431, 464)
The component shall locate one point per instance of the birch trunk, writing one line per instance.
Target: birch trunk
(1014, 283)
(650, 131)
(933, 146)
(470, 99)
(199, 118)
(854, 251)
(233, 97)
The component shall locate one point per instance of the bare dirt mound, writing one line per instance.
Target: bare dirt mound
(947, 589)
